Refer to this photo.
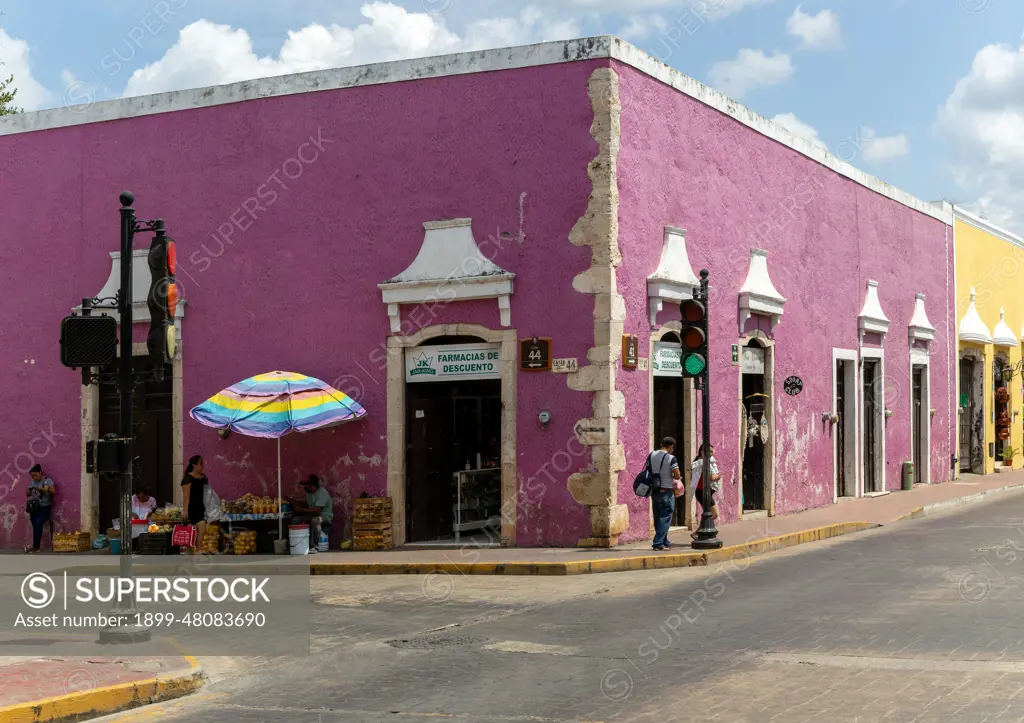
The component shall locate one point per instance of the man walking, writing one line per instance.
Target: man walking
(665, 468)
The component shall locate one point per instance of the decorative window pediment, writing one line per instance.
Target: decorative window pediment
(449, 266)
(872, 320)
(920, 328)
(674, 279)
(142, 278)
(1003, 334)
(758, 294)
(972, 328)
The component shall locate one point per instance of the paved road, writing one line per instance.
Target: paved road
(918, 622)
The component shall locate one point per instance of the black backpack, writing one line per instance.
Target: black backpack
(643, 485)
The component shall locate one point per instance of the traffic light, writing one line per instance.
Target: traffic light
(694, 336)
(163, 300)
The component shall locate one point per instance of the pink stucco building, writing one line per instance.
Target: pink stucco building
(400, 230)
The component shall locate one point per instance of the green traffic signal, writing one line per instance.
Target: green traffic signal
(694, 365)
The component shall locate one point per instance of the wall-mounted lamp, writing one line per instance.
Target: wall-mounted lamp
(544, 417)
(829, 417)
(933, 412)
(224, 433)
(888, 413)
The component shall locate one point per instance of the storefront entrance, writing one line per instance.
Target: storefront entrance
(670, 411)
(872, 438)
(152, 425)
(754, 424)
(972, 420)
(919, 420)
(453, 458)
(1001, 405)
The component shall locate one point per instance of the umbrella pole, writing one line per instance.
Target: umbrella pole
(280, 516)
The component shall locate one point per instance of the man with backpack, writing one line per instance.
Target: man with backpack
(665, 471)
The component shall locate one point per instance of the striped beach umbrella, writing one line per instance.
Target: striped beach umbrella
(275, 404)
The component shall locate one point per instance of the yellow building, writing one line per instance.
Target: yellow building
(990, 317)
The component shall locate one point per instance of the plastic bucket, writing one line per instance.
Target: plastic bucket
(115, 547)
(298, 539)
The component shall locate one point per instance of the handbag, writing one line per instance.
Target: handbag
(32, 506)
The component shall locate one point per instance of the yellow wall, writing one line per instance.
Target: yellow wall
(995, 268)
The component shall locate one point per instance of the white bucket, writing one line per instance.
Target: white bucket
(298, 539)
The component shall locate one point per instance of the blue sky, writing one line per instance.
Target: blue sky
(886, 70)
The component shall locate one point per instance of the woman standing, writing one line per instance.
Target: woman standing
(40, 503)
(193, 486)
(697, 481)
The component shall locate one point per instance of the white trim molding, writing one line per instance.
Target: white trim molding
(142, 279)
(872, 320)
(972, 328)
(984, 225)
(449, 266)
(1003, 334)
(920, 328)
(758, 294)
(674, 280)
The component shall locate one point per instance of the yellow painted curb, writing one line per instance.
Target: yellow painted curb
(104, 701)
(647, 561)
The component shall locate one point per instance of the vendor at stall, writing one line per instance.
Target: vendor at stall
(143, 504)
(315, 509)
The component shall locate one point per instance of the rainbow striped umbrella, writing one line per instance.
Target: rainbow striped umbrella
(274, 404)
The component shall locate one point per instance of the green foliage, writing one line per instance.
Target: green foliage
(7, 93)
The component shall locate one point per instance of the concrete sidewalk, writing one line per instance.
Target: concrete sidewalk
(741, 539)
(70, 689)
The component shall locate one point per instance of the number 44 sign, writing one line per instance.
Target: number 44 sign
(535, 354)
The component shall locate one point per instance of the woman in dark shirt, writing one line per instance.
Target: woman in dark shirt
(193, 486)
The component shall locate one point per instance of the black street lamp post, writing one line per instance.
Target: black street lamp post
(707, 533)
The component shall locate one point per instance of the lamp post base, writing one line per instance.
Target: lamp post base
(126, 634)
(707, 534)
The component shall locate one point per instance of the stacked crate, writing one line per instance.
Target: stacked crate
(371, 524)
(72, 542)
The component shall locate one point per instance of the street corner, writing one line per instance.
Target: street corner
(77, 689)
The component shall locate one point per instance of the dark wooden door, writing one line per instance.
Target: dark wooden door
(870, 427)
(840, 407)
(429, 462)
(153, 462)
(918, 422)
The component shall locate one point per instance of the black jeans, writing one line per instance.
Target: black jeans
(39, 518)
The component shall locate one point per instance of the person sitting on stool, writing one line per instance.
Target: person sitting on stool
(315, 509)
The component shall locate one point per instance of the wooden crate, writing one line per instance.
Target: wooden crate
(372, 509)
(79, 542)
(372, 536)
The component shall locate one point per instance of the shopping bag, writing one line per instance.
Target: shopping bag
(183, 536)
(211, 500)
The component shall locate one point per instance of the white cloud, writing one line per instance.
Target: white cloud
(796, 126)
(983, 119)
(816, 32)
(641, 26)
(751, 69)
(211, 54)
(14, 56)
(879, 149)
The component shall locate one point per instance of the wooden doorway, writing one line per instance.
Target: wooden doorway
(845, 428)
(152, 419)
(919, 442)
(452, 426)
(669, 417)
(873, 409)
